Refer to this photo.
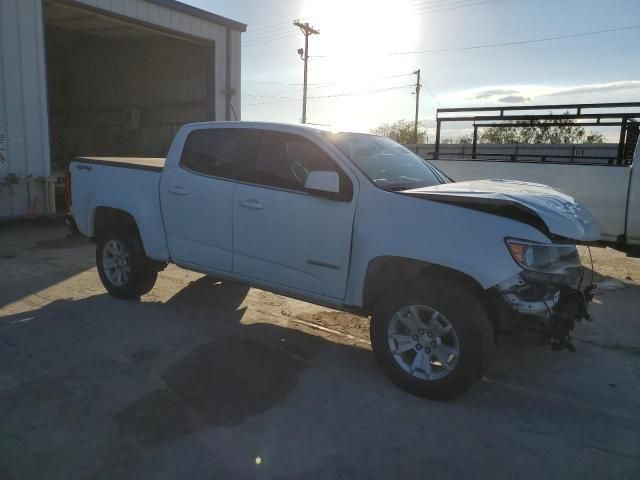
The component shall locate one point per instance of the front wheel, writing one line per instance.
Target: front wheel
(434, 342)
(123, 267)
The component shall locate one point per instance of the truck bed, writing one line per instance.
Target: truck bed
(131, 185)
(139, 163)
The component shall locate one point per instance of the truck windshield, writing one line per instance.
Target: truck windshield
(388, 164)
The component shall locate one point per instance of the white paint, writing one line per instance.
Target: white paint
(293, 242)
(86, 192)
(23, 106)
(633, 207)
(562, 214)
(602, 189)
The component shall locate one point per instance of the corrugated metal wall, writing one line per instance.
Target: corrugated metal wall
(125, 97)
(150, 13)
(23, 108)
(24, 118)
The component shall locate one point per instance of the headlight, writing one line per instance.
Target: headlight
(543, 257)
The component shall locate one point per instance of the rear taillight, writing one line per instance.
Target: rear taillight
(67, 188)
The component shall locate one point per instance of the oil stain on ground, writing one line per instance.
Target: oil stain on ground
(218, 384)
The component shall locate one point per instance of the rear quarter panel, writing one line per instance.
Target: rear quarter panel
(129, 189)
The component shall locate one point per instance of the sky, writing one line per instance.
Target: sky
(360, 70)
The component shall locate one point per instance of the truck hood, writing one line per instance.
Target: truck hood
(542, 206)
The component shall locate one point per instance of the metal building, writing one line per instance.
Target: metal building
(104, 77)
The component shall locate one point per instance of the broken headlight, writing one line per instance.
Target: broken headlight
(544, 257)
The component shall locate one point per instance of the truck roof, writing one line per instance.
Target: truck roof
(269, 125)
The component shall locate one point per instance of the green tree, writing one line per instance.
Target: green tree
(466, 138)
(401, 131)
(541, 132)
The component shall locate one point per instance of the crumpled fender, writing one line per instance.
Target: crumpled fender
(532, 203)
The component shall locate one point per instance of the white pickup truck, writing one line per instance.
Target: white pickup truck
(351, 221)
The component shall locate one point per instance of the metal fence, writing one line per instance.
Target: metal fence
(583, 154)
(567, 115)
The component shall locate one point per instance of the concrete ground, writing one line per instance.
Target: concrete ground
(208, 380)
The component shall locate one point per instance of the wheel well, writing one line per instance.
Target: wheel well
(107, 219)
(387, 272)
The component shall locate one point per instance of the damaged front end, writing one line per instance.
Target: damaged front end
(549, 288)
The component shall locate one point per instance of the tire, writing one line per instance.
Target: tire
(141, 275)
(465, 347)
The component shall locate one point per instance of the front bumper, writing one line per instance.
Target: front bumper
(555, 299)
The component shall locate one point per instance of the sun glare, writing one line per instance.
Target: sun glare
(354, 38)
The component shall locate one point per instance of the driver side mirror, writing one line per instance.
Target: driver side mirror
(323, 182)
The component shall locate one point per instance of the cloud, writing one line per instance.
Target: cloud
(542, 93)
(514, 99)
(596, 88)
(494, 92)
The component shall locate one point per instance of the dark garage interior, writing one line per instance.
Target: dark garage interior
(120, 88)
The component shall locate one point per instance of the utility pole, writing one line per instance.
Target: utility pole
(307, 30)
(415, 125)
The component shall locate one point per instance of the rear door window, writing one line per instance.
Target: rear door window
(212, 151)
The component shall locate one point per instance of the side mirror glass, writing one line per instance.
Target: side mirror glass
(322, 181)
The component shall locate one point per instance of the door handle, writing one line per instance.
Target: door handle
(178, 190)
(251, 203)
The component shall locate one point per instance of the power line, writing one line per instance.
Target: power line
(282, 30)
(422, 3)
(444, 8)
(346, 94)
(365, 93)
(277, 36)
(518, 42)
(277, 31)
(277, 94)
(288, 90)
(314, 86)
(266, 27)
(432, 94)
(270, 39)
(438, 4)
(269, 27)
(273, 36)
(284, 83)
(328, 83)
(392, 76)
(251, 95)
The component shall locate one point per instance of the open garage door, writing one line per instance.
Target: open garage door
(120, 88)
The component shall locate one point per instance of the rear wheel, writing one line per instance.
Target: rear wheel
(123, 267)
(434, 342)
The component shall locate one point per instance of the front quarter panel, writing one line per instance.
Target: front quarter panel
(469, 241)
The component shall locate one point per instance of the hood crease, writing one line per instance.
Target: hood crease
(557, 213)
